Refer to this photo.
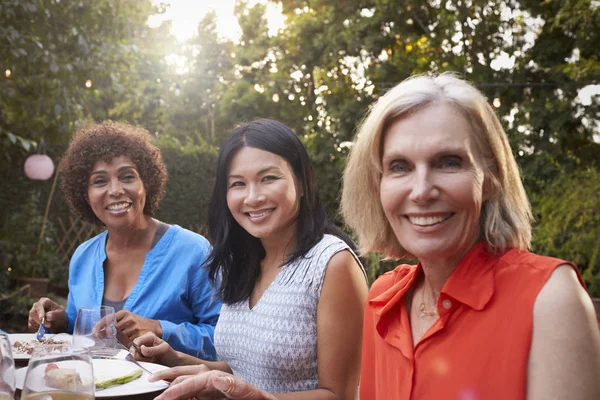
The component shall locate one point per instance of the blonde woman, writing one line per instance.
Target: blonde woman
(431, 176)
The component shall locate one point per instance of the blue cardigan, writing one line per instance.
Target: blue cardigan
(172, 288)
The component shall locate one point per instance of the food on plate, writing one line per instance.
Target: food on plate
(104, 383)
(50, 367)
(28, 346)
(69, 379)
(62, 378)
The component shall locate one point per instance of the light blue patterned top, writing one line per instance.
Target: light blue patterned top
(274, 345)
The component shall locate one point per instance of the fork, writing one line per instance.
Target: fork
(129, 357)
(41, 330)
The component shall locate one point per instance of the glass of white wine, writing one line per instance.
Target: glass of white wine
(59, 372)
(7, 369)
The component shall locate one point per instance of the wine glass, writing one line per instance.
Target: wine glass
(59, 372)
(95, 328)
(7, 369)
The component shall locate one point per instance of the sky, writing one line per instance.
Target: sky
(185, 15)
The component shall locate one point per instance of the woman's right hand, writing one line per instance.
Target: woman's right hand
(151, 348)
(56, 316)
(199, 383)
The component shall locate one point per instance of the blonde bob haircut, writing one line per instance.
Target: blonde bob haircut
(505, 220)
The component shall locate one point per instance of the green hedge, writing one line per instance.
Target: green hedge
(191, 168)
(568, 226)
(567, 213)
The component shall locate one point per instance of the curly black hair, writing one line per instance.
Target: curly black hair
(104, 142)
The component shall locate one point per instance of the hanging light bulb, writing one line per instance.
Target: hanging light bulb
(39, 167)
(275, 98)
(88, 83)
(8, 73)
(497, 102)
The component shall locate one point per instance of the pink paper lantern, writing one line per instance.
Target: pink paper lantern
(39, 167)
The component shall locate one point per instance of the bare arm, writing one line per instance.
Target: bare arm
(154, 349)
(564, 360)
(185, 359)
(339, 333)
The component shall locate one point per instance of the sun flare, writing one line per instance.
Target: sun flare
(186, 14)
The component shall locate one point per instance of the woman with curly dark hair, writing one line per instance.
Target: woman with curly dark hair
(112, 175)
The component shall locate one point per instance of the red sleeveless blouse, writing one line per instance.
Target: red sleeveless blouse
(478, 349)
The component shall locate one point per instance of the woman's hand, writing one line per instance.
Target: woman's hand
(175, 373)
(154, 349)
(131, 326)
(56, 316)
(208, 385)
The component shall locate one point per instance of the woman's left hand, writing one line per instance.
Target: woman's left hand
(212, 385)
(130, 326)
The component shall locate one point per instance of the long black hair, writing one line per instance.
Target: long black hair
(234, 263)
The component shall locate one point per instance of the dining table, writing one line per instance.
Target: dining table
(23, 363)
(146, 396)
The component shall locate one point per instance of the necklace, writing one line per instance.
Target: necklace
(424, 312)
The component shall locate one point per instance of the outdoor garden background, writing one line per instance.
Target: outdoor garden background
(65, 63)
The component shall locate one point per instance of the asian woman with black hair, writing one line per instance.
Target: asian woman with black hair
(291, 285)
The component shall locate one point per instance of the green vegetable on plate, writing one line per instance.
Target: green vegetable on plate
(103, 384)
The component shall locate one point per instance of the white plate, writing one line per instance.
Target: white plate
(25, 337)
(38, 382)
(104, 369)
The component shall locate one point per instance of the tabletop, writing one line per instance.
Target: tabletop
(145, 396)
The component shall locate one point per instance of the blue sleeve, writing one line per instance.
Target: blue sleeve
(71, 306)
(71, 312)
(84, 269)
(196, 339)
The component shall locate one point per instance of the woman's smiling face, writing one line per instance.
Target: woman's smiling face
(262, 194)
(432, 183)
(116, 193)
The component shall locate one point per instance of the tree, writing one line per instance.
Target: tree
(532, 56)
(53, 50)
(569, 223)
(197, 93)
(50, 50)
(318, 75)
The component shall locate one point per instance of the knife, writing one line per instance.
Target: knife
(41, 330)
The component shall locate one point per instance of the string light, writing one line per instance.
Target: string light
(9, 269)
(379, 87)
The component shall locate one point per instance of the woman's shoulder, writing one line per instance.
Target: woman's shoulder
(529, 273)
(186, 233)
(91, 244)
(388, 279)
(328, 241)
(185, 237)
(310, 268)
(323, 251)
(519, 259)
